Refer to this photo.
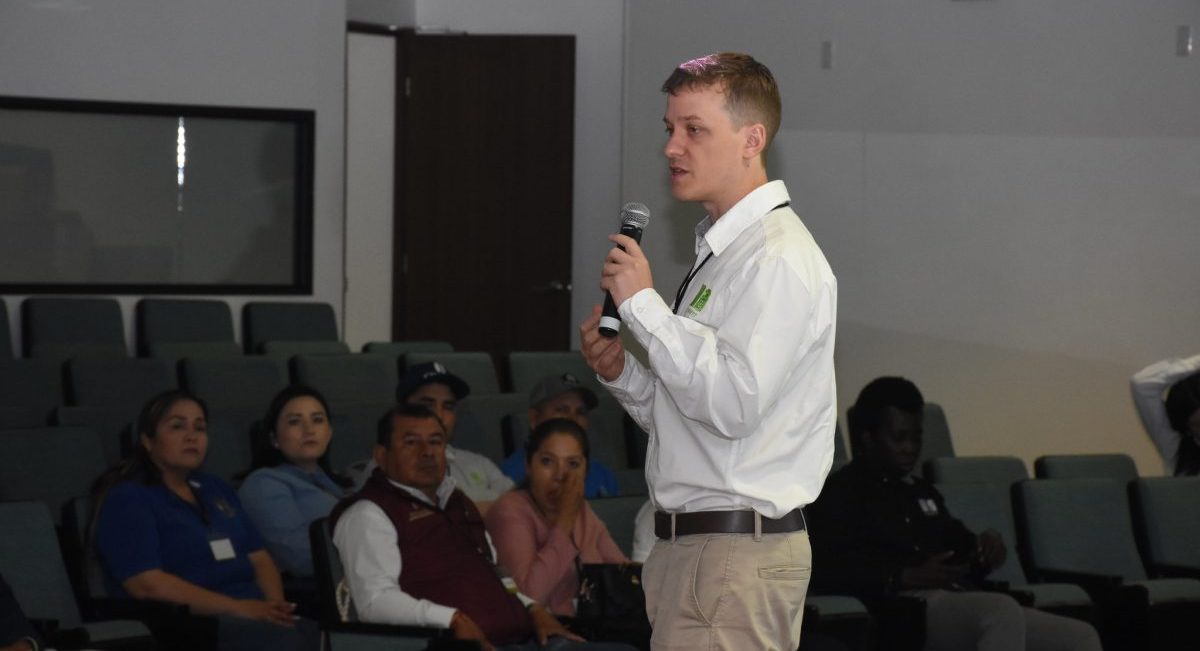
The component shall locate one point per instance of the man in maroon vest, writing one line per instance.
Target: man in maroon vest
(410, 509)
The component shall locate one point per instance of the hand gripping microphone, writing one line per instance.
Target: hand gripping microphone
(634, 217)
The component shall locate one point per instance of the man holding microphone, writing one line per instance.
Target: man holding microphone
(738, 398)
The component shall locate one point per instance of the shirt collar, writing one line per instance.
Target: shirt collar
(752, 207)
(444, 490)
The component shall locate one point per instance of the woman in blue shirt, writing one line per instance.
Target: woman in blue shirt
(166, 532)
(291, 484)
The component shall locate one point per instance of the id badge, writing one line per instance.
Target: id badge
(222, 549)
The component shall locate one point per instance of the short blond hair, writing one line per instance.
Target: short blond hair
(751, 95)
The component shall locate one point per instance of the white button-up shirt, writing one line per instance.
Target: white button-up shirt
(739, 399)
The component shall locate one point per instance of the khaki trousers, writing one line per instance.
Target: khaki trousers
(727, 592)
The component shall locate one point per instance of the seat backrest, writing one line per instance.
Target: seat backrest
(6, 351)
(988, 505)
(398, 349)
(50, 464)
(475, 368)
(482, 420)
(176, 351)
(31, 385)
(619, 515)
(235, 382)
(286, 350)
(113, 427)
(1080, 525)
(1166, 513)
(175, 321)
(349, 378)
(988, 469)
(228, 452)
(1117, 467)
(279, 321)
(332, 595)
(83, 564)
(32, 563)
(527, 368)
(60, 328)
(118, 383)
(841, 454)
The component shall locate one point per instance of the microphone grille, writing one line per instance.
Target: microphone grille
(635, 214)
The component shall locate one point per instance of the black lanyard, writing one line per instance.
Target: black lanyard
(687, 280)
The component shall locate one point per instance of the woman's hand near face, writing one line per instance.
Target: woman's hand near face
(570, 501)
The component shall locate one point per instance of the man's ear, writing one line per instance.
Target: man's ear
(755, 140)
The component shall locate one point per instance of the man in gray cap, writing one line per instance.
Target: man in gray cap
(562, 396)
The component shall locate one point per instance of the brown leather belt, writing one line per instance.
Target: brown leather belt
(687, 524)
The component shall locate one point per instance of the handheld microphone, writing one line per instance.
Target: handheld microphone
(634, 217)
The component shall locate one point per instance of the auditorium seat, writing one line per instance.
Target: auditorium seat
(285, 321)
(989, 469)
(526, 368)
(237, 391)
(1080, 531)
(30, 389)
(32, 564)
(108, 394)
(49, 464)
(286, 350)
(338, 619)
(982, 505)
(475, 368)
(484, 419)
(1167, 514)
(177, 328)
(61, 328)
(619, 515)
(398, 349)
(348, 378)
(841, 454)
(1118, 467)
(6, 351)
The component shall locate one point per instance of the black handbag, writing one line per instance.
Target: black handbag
(611, 604)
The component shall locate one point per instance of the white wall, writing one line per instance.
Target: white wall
(1007, 192)
(597, 26)
(270, 53)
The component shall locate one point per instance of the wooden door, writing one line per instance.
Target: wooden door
(484, 191)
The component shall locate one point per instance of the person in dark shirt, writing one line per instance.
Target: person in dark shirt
(879, 531)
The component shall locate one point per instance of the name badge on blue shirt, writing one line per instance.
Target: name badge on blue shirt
(222, 548)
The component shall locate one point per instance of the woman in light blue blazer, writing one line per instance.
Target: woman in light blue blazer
(290, 483)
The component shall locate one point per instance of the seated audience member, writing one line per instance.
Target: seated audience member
(416, 552)
(16, 633)
(1173, 421)
(431, 385)
(291, 484)
(562, 396)
(886, 532)
(643, 533)
(166, 532)
(546, 528)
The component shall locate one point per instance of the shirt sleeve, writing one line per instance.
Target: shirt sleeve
(634, 389)
(537, 568)
(366, 541)
(127, 533)
(272, 508)
(726, 379)
(643, 533)
(1148, 386)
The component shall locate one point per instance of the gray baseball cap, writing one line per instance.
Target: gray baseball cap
(553, 386)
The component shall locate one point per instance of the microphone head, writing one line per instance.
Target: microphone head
(635, 214)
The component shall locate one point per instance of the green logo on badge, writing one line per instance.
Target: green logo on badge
(701, 298)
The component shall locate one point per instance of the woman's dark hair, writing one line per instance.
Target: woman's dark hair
(549, 428)
(1183, 399)
(264, 453)
(139, 466)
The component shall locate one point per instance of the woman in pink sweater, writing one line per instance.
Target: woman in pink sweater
(545, 527)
